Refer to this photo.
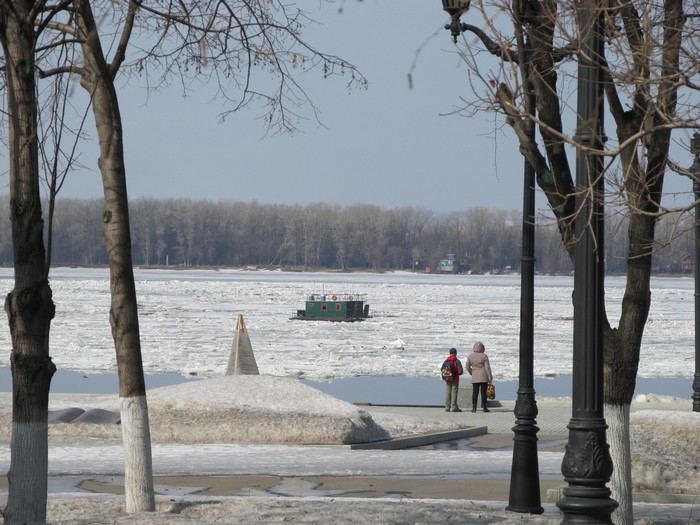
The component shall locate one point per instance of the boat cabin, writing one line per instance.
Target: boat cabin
(334, 307)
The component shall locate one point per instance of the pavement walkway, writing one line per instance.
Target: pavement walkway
(552, 420)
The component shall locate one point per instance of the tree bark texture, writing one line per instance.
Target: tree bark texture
(618, 420)
(29, 306)
(97, 79)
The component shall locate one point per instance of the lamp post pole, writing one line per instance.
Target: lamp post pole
(587, 465)
(695, 173)
(524, 493)
(525, 474)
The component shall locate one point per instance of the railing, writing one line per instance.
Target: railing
(342, 297)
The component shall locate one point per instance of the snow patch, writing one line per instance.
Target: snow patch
(665, 451)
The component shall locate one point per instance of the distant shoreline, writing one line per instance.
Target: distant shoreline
(297, 269)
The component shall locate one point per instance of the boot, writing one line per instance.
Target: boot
(486, 409)
(473, 408)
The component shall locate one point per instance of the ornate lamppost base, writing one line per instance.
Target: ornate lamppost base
(525, 477)
(587, 467)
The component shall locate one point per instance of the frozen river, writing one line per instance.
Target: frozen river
(187, 320)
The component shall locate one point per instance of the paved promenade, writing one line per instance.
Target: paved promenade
(552, 420)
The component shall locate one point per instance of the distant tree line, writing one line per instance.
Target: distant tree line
(184, 232)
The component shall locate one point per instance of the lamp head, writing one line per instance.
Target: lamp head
(455, 8)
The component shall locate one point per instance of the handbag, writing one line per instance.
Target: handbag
(490, 391)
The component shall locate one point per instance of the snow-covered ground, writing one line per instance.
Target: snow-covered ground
(187, 322)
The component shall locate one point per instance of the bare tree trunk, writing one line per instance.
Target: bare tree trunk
(98, 81)
(622, 347)
(29, 306)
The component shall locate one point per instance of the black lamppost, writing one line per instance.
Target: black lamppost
(587, 465)
(525, 473)
(524, 493)
(695, 174)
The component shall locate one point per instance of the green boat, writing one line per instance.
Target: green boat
(334, 307)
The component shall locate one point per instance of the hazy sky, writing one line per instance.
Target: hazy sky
(392, 144)
(388, 145)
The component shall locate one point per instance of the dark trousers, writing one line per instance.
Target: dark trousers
(476, 387)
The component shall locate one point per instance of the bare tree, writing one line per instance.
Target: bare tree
(97, 78)
(195, 43)
(651, 68)
(29, 306)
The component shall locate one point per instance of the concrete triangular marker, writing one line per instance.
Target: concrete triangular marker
(241, 361)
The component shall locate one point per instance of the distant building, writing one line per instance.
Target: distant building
(447, 265)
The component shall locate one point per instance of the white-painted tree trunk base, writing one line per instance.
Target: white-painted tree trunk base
(29, 452)
(618, 419)
(138, 462)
